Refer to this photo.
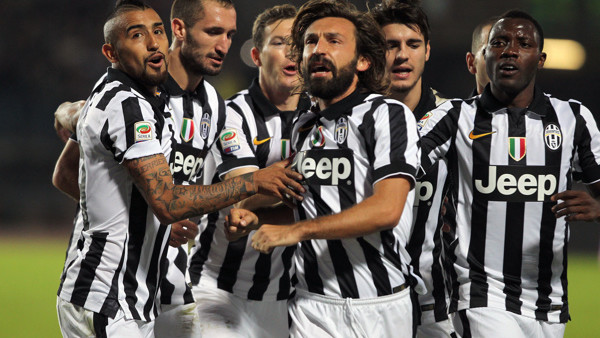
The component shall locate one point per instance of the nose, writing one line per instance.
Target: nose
(320, 46)
(152, 42)
(401, 54)
(510, 50)
(222, 46)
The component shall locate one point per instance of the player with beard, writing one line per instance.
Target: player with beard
(514, 153)
(406, 29)
(110, 287)
(358, 151)
(475, 59)
(239, 291)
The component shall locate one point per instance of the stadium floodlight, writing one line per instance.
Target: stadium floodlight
(564, 54)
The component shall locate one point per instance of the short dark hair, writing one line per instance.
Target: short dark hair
(404, 12)
(268, 17)
(370, 42)
(192, 11)
(519, 14)
(476, 41)
(122, 6)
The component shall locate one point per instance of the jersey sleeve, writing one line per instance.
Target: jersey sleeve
(235, 143)
(586, 166)
(395, 145)
(437, 128)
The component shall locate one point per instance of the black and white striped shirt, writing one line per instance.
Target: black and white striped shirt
(425, 244)
(352, 145)
(119, 263)
(510, 250)
(256, 135)
(198, 117)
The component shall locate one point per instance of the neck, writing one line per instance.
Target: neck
(521, 99)
(410, 97)
(324, 104)
(186, 80)
(281, 97)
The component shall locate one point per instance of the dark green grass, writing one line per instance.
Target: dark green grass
(30, 271)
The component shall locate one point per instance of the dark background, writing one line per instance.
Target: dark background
(50, 53)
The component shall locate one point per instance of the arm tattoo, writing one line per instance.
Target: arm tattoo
(153, 178)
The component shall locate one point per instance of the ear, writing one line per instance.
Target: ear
(178, 29)
(542, 60)
(471, 63)
(110, 52)
(427, 51)
(362, 64)
(255, 54)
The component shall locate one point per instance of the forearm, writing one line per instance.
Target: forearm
(172, 203)
(66, 170)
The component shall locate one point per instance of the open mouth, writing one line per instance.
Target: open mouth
(508, 68)
(155, 60)
(319, 69)
(290, 69)
(401, 72)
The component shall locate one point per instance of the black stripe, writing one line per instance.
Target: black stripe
(137, 230)
(450, 242)
(262, 132)
(437, 276)
(261, 277)
(367, 130)
(514, 225)
(199, 258)
(381, 279)
(285, 280)
(110, 305)
(108, 143)
(311, 264)
(87, 272)
(443, 131)
(66, 265)
(100, 324)
(466, 332)
(343, 269)
(157, 270)
(132, 113)
(110, 94)
(476, 255)
(231, 264)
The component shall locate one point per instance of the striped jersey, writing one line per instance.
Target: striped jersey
(510, 251)
(425, 244)
(198, 116)
(256, 134)
(346, 149)
(119, 262)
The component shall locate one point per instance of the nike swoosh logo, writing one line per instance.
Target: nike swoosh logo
(303, 129)
(257, 142)
(474, 137)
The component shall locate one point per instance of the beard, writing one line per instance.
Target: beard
(196, 63)
(328, 89)
(154, 79)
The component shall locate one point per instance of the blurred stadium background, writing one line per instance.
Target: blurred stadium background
(50, 52)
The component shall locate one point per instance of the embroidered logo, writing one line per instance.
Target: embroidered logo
(341, 130)
(187, 130)
(143, 131)
(317, 138)
(230, 141)
(517, 147)
(205, 126)
(553, 136)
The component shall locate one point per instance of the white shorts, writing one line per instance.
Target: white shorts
(223, 314)
(314, 315)
(75, 321)
(177, 321)
(496, 323)
(440, 329)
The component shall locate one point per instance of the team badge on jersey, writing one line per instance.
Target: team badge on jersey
(424, 120)
(187, 130)
(517, 147)
(286, 149)
(205, 126)
(230, 141)
(317, 138)
(143, 131)
(341, 130)
(553, 136)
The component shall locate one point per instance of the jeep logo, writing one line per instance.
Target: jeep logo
(423, 192)
(327, 167)
(186, 163)
(518, 183)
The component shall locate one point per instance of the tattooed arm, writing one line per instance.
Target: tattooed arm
(171, 203)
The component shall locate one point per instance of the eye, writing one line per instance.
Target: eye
(158, 31)
(414, 45)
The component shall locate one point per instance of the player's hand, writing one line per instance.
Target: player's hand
(270, 236)
(279, 181)
(576, 205)
(181, 232)
(239, 223)
(67, 115)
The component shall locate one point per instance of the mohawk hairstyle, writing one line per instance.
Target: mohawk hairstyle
(122, 6)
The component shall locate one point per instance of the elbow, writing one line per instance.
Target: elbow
(390, 217)
(163, 215)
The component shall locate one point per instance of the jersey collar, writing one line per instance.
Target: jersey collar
(118, 75)
(492, 105)
(344, 107)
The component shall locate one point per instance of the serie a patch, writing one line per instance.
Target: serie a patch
(143, 131)
(230, 140)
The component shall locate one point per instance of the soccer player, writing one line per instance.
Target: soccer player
(125, 133)
(514, 152)
(406, 29)
(475, 60)
(239, 291)
(358, 151)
